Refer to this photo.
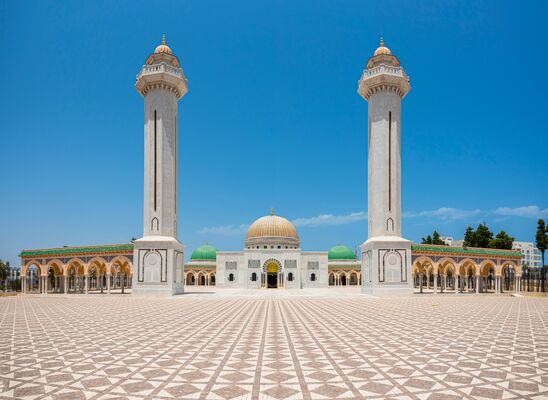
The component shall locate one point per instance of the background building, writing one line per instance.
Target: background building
(450, 241)
(530, 255)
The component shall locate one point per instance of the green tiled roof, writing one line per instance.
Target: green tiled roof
(465, 250)
(77, 250)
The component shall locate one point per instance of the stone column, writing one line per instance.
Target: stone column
(108, 283)
(65, 284)
(23, 284)
(443, 282)
(420, 283)
(86, 284)
(435, 283)
(122, 282)
(477, 284)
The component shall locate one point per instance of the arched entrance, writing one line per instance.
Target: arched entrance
(272, 275)
(33, 278)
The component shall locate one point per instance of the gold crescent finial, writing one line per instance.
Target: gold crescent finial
(272, 211)
(164, 39)
(382, 41)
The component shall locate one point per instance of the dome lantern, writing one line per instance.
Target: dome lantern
(382, 49)
(163, 48)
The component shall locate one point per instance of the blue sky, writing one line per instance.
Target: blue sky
(272, 117)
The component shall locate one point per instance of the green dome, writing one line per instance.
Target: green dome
(340, 253)
(205, 252)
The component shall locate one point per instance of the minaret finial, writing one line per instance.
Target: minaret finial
(382, 41)
(272, 211)
(164, 39)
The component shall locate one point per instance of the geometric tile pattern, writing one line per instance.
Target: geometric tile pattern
(285, 347)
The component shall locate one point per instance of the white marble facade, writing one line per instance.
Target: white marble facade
(248, 269)
(272, 258)
(386, 256)
(158, 255)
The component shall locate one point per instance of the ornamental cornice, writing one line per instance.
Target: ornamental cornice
(161, 85)
(344, 267)
(383, 87)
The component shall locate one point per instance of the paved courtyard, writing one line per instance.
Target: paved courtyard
(280, 346)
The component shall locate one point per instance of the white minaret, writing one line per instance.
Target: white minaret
(386, 256)
(158, 255)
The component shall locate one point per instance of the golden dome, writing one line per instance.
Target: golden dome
(163, 48)
(382, 50)
(272, 226)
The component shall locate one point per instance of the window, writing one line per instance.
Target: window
(312, 277)
(231, 277)
(231, 265)
(311, 265)
(254, 277)
(290, 277)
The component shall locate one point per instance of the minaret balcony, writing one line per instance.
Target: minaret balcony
(383, 77)
(161, 75)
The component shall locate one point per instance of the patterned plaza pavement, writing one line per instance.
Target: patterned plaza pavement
(280, 346)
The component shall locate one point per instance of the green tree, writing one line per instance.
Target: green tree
(427, 240)
(541, 241)
(469, 237)
(482, 236)
(4, 273)
(436, 239)
(433, 239)
(502, 241)
(541, 238)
